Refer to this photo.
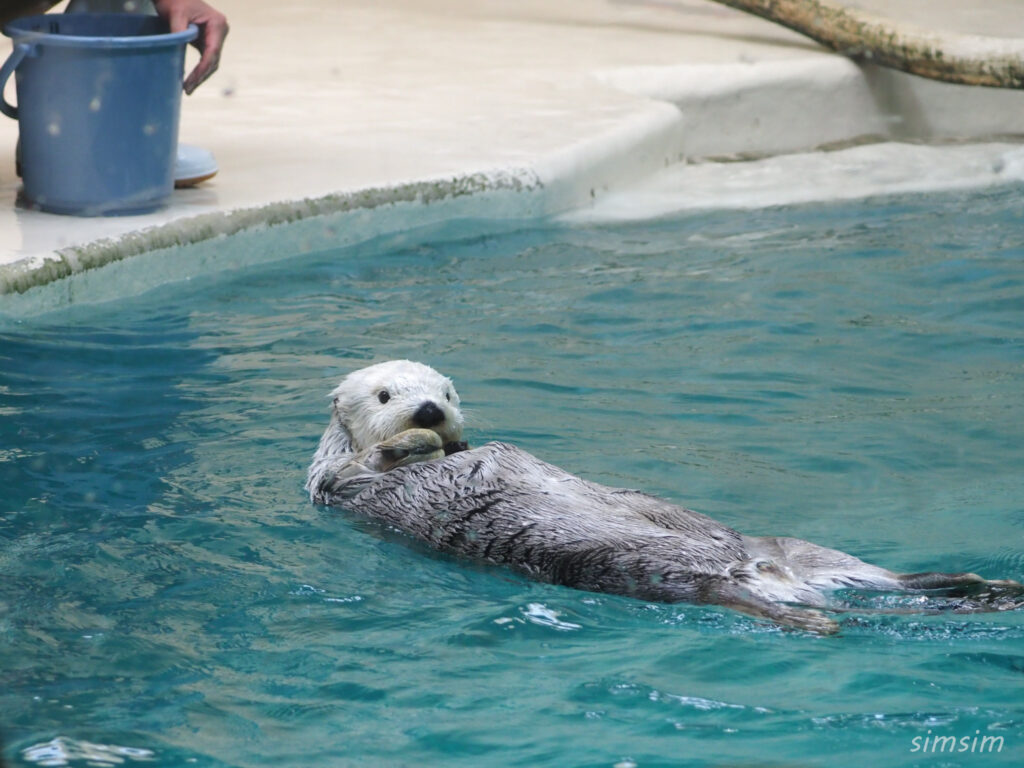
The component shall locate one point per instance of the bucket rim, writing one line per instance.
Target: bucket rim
(13, 29)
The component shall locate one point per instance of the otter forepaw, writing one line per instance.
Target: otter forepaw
(456, 446)
(408, 447)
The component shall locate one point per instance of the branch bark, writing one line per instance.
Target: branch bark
(964, 59)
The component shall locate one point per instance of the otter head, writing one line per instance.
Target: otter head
(376, 403)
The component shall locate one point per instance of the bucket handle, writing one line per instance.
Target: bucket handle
(21, 50)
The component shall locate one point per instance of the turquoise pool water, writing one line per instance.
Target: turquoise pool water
(851, 374)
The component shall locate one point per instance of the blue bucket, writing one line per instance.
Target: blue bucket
(98, 102)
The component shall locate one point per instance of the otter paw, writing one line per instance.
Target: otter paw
(410, 446)
(455, 447)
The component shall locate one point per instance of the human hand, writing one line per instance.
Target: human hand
(213, 28)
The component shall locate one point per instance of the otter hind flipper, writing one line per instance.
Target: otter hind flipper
(971, 593)
(729, 594)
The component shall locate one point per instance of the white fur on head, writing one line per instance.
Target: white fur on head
(404, 387)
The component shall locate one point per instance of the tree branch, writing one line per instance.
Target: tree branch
(964, 59)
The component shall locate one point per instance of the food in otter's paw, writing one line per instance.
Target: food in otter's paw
(455, 447)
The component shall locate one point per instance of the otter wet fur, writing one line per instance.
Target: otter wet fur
(392, 452)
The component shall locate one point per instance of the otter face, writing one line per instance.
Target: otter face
(376, 403)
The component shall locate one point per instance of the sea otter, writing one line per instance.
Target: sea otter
(392, 451)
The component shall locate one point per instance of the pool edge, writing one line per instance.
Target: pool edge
(21, 276)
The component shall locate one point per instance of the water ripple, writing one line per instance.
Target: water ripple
(65, 751)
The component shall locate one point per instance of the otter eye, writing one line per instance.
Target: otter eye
(383, 396)
(448, 396)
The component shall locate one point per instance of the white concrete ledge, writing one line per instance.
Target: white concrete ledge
(767, 108)
(868, 170)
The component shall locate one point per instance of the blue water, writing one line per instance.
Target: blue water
(851, 374)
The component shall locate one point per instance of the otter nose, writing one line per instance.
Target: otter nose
(428, 415)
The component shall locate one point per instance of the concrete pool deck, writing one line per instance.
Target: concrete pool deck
(323, 111)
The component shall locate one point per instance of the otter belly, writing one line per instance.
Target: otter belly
(500, 504)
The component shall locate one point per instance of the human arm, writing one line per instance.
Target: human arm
(213, 28)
